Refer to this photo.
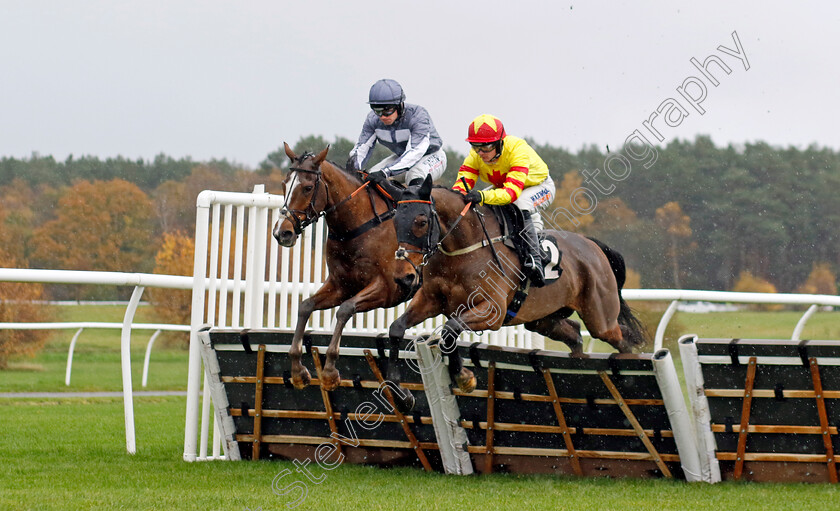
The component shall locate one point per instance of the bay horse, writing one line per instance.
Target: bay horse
(359, 250)
(471, 278)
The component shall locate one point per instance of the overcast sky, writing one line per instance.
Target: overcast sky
(222, 79)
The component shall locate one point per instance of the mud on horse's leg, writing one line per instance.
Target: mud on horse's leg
(449, 345)
(396, 333)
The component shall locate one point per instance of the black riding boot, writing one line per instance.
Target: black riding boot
(532, 260)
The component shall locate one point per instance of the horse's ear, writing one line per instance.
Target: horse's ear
(322, 156)
(291, 154)
(426, 188)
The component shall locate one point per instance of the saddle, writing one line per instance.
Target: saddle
(512, 222)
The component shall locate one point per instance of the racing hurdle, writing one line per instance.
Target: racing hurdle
(765, 410)
(535, 411)
(243, 279)
(263, 416)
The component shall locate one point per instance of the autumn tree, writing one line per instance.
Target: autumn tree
(175, 257)
(749, 283)
(677, 228)
(16, 303)
(821, 281)
(570, 209)
(99, 226)
(633, 280)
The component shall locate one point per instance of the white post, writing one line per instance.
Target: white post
(125, 359)
(694, 385)
(196, 320)
(669, 385)
(800, 325)
(452, 439)
(70, 357)
(663, 325)
(255, 272)
(148, 355)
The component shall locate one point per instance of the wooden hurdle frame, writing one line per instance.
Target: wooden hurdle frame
(637, 420)
(252, 365)
(662, 447)
(765, 410)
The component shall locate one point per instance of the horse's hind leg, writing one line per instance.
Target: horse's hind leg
(600, 309)
(557, 326)
(607, 330)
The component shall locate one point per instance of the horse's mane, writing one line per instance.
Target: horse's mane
(348, 173)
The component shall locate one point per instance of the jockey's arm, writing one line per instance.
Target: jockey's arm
(411, 156)
(361, 152)
(469, 174)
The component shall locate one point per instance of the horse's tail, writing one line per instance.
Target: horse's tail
(634, 331)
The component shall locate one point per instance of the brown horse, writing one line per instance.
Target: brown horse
(443, 245)
(359, 249)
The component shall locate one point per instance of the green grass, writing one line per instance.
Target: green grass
(762, 325)
(69, 454)
(96, 357)
(740, 324)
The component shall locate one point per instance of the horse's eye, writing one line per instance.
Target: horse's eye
(422, 222)
(308, 188)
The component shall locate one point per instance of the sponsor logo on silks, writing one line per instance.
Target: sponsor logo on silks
(540, 201)
(541, 193)
(540, 197)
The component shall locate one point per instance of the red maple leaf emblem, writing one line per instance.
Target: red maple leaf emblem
(497, 178)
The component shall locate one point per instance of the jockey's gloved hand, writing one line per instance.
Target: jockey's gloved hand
(351, 163)
(474, 196)
(376, 177)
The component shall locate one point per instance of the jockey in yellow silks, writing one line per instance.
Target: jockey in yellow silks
(517, 174)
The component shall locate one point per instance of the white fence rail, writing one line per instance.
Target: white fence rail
(80, 326)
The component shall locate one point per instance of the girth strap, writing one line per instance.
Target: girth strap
(474, 246)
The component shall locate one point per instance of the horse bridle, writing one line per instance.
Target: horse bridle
(427, 246)
(310, 215)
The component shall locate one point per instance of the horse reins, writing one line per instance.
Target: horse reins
(401, 253)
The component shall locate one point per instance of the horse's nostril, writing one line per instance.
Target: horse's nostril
(406, 281)
(284, 237)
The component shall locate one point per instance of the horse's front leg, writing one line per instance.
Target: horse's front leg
(421, 307)
(449, 345)
(369, 298)
(484, 314)
(328, 296)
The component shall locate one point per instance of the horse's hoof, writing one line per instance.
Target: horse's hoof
(578, 353)
(405, 402)
(466, 381)
(301, 380)
(330, 379)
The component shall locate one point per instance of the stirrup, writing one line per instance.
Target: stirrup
(534, 271)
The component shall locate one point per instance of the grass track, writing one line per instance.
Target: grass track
(69, 454)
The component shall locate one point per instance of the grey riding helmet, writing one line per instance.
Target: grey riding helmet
(386, 92)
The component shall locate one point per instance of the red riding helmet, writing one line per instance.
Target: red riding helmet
(485, 129)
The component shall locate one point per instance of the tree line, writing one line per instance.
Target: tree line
(699, 216)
